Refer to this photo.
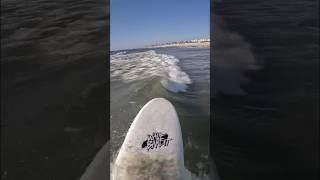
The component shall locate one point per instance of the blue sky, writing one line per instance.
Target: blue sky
(137, 23)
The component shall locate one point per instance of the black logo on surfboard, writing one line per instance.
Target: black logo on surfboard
(156, 140)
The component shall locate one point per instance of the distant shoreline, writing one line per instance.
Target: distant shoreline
(205, 44)
(187, 44)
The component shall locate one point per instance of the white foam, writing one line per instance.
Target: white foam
(142, 65)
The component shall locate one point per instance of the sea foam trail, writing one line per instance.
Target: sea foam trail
(142, 65)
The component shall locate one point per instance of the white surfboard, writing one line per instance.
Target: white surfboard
(153, 147)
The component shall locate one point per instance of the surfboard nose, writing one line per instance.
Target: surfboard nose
(155, 130)
(159, 100)
(158, 106)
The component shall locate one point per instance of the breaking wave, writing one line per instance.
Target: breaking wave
(142, 65)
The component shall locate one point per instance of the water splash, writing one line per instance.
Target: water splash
(142, 65)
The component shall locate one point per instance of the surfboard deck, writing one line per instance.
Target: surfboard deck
(153, 144)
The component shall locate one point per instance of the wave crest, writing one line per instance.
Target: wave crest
(142, 65)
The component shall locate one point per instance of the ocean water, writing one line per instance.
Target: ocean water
(53, 87)
(180, 75)
(265, 122)
(52, 50)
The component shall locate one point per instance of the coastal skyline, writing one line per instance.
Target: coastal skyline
(146, 22)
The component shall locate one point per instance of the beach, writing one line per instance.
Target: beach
(202, 44)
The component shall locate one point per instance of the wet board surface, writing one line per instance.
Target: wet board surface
(153, 144)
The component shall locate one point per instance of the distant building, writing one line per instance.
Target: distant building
(200, 40)
(203, 40)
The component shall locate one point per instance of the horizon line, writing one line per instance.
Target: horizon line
(151, 44)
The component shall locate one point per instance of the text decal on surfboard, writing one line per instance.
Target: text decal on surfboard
(156, 140)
